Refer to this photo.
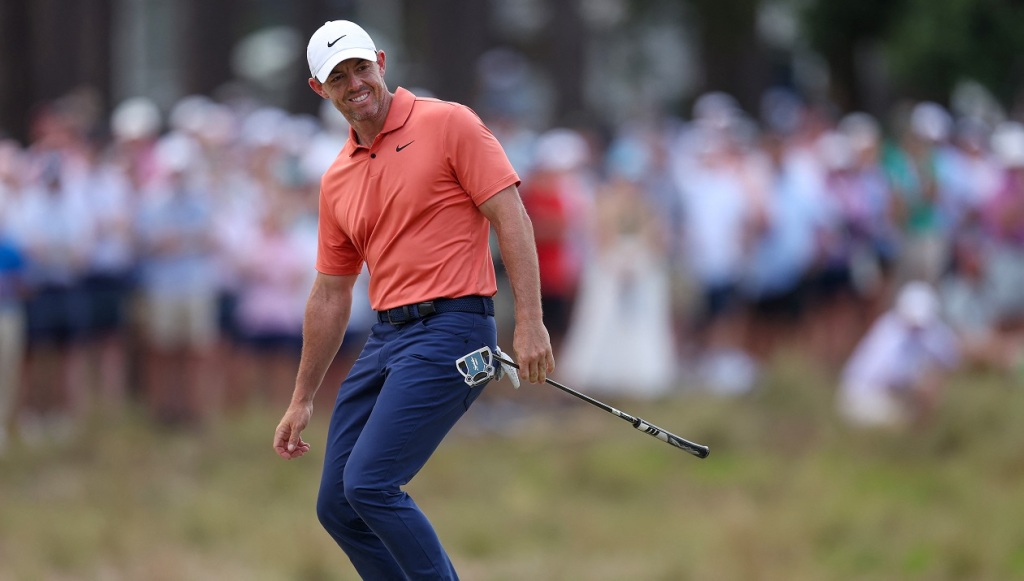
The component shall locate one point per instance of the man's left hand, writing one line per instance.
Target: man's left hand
(532, 345)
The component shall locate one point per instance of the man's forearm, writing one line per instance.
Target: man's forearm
(519, 255)
(531, 341)
(323, 329)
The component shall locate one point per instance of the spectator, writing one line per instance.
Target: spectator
(970, 304)
(135, 127)
(621, 340)
(12, 314)
(270, 308)
(778, 280)
(179, 293)
(975, 170)
(847, 265)
(723, 216)
(898, 370)
(917, 168)
(870, 221)
(108, 280)
(12, 331)
(1003, 220)
(556, 200)
(51, 223)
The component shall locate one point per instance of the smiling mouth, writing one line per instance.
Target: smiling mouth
(360, 98)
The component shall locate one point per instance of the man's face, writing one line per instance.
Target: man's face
(356, 88)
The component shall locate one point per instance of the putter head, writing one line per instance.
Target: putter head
(477, 368)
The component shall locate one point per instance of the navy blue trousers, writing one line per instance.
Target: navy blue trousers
(400, 399)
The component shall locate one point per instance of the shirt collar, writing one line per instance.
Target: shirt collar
(398, 114)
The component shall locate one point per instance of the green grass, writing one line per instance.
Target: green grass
(788, 493)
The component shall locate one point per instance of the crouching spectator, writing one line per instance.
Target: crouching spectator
(897, 372)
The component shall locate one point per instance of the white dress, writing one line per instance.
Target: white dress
(621, 340)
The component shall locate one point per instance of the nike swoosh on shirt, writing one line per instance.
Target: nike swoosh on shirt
(330, 44)
(401, 147)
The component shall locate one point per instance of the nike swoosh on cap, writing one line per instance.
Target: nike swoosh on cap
(332, 43)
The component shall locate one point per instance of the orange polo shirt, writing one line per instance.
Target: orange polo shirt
(407, 204)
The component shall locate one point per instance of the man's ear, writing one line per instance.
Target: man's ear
(317, 87)
(381, 61)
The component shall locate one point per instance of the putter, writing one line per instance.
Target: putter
(644, 426)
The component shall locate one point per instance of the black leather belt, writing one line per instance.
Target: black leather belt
(407, 313)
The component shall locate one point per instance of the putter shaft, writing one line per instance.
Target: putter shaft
(644, 426)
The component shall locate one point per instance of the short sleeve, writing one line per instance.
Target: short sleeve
(476, 156)
(335, 254)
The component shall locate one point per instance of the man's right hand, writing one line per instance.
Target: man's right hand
(288, 439)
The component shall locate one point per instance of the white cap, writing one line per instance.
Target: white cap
(1008, 143)
(561, 149)
(931, 121)
(334, 42)
(175, 152)
(836, 151)
(862, 129)
(135, 118)
(917, 303)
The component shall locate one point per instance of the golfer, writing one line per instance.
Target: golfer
(412, 194)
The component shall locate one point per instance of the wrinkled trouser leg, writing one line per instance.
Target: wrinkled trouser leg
(401, 398)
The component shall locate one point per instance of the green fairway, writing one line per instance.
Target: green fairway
(555, 490)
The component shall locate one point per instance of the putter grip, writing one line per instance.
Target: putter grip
(668, 437)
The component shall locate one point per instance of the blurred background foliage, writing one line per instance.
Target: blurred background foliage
(584, 60)
(924, 47)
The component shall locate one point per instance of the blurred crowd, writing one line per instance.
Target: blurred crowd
(686, 252)
(156, 259)
(163, 259)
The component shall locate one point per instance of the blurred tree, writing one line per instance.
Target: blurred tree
(15, 68)
(309, 15)
(937, 43)
(839, 30)
(916, 48)
(448, 36)
(732, 58)
(50, 48)
(565, 60)
(209, 34)
(928, 45)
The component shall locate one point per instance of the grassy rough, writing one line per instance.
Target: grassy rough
(561, 491)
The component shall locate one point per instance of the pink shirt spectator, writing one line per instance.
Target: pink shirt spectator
(274, 284)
